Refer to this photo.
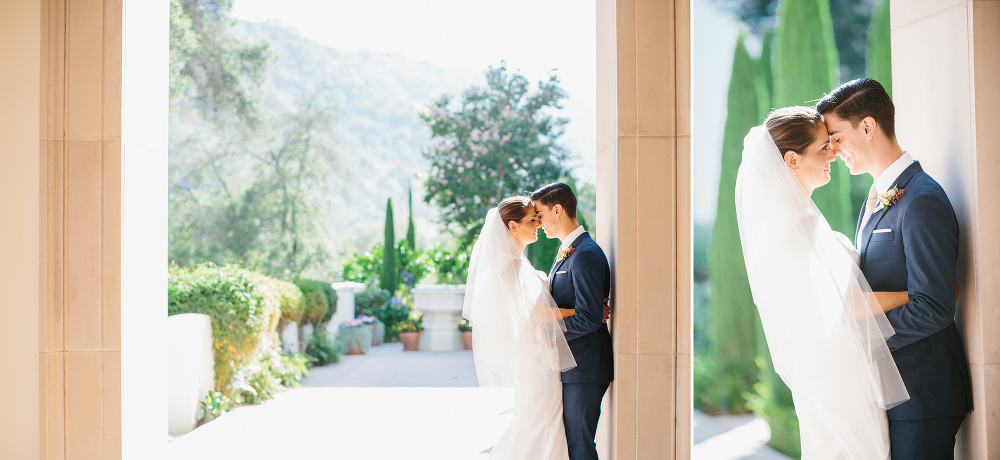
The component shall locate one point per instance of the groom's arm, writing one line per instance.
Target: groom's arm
(930, 244)
(588, 300)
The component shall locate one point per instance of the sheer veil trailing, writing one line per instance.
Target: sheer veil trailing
(511, 310)
(825, 330)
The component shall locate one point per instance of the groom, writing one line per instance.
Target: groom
(580, 279)
(908, 239)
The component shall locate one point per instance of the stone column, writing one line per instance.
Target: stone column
(643, 202)
(103, 229)
(19, 240)
(345, 304)
(946, 84)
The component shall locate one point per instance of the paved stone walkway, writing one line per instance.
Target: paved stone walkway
(389, 404)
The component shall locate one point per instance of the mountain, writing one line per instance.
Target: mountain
(376, 98)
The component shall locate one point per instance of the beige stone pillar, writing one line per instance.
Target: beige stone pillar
(644, 196)
(102, 228)
(19, 209)
(946, 84)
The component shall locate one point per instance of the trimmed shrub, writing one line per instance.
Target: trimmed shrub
(322, 350)
(316, 301)
(244, 308)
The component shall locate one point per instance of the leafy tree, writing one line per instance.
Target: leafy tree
(221, 74)
(263, 207)
(497, 141)
(390, 276)
(733, 316)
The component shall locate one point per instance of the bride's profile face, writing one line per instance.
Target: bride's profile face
(525, 231)
(812, 167)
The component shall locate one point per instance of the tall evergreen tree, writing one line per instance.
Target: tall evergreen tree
(733, 316)
(805, 68)
(411, 228)
(390, 274)
(879, 59)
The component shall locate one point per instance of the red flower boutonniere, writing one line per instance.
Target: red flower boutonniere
(888, 198)
(564, 253)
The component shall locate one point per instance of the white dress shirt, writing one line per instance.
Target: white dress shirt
(568, 241)
(889, 176)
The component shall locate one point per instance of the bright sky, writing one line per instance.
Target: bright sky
(533, 36)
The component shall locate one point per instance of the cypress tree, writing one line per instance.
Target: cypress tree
(411, 229)
(733, 317)
(390, 274)
(805, 68)
(879, 59)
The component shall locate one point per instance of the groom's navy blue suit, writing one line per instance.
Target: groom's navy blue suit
(582, 281)
(913, 246)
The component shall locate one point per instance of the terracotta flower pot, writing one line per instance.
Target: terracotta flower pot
(411, 340)
(467, 339)
(356, 350)
(371, 328)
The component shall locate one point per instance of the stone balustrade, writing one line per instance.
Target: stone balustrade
(442, 308)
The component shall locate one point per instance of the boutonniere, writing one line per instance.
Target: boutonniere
(564, 253)
(888, 198)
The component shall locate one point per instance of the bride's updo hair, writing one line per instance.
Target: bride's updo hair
(513, 209)
(793, 128)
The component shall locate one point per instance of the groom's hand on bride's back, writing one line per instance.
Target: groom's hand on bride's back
(607, 311)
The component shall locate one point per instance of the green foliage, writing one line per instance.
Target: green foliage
(495, 142)
(245, 309)
(389, 310)
(542, 253)
(370, 301)
(879, 58)
(291, 300)
(414, 266)
(316, 300)
(222, 73)
(390, 276)
(464, 325)
(731, 321)
(322, 350)
(451, 266)
(242, 305)
(805, 67)
(411, 228)
(768, 403)
(214, 406)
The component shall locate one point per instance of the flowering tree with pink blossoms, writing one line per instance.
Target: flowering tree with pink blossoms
(495, 142)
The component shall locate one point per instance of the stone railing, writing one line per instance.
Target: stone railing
(442, 308)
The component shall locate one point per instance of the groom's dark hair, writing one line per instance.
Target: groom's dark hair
(557, 193)
(858, 99)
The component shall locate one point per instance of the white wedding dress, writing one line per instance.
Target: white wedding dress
(824, 328)
(518, 341)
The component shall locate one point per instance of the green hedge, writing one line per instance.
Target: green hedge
(317, 301)
(244, 308)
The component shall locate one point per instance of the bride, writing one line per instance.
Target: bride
(518, 332)
(825, 328)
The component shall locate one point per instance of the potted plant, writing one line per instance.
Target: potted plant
(369, 322)
(353, 337)
(466, 328)
(409, 330)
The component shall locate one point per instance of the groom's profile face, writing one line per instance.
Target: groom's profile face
(845, 140)
(544, 215)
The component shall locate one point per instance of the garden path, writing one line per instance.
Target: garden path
(388, 404)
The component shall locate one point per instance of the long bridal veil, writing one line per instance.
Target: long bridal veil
(510, 309)
(825, 330)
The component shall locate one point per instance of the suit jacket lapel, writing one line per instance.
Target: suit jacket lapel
(901, 181)
(559, 263)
